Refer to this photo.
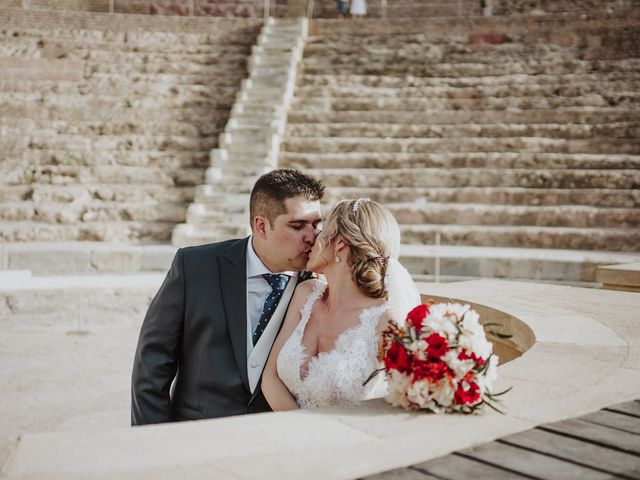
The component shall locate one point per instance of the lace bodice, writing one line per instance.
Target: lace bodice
(334, 377)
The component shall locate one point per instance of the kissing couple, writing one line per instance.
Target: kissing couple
(289, 317)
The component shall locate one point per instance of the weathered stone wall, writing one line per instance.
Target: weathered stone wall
(106, 131)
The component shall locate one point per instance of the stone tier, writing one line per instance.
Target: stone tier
(507, 139)
(455, 8)
(112, 150)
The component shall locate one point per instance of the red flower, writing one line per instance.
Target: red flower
(417, 315)
(396, 358)
(464, 356)
(469, 395)
(438, 345)
(431, 370)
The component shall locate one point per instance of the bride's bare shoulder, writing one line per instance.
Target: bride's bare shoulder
(304, 289)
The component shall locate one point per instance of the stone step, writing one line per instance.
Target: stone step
(77, 303)
(471, 69)
(20, 174)
(237, 69)
(622, 99)
(187, 234)
(92, 261)
(509, 160)
(510, 215)
(120, 231)
(438, 116)
(235, 185)
(121, 112)
(231, 170)
(168, 159)
(233, 33)
(610, 239)
(199, 213)
(460, 144)
(91, 211)
(112, 127)
(105, 102)
(563, 82)
(55, 193)
(481, 177)
(109, 88)
(491, 196)
(528, 87)
(537, 264)
(407, 10)
(629, 129)
(180, 78)
(211, 195)
(50, 140)
(53, 48)
(84, 258)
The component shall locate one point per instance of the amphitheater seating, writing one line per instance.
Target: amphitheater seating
(500, 133)
(107, 124)
(465, 8)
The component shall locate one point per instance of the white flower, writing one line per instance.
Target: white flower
(459, 367)
(443, 394)
(473, 337)
(419, 394)
(398, 385)
(419, 348)
(441, 320)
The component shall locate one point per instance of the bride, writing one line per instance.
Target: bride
(330, 340)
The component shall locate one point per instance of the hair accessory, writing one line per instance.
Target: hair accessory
(357, 203)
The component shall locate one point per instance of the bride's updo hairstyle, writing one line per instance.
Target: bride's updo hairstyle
(373, 235)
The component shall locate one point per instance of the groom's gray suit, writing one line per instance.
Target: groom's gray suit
(196, 331)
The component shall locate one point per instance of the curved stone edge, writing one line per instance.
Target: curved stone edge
(586, 357)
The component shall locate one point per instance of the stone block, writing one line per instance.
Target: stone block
(42, 307)
(127, 259)
(113, 306)
(49, 260)
(157, 258)
(620, 277)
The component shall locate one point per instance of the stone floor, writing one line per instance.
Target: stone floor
(65, 406)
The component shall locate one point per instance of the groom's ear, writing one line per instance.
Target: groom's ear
(260, 225)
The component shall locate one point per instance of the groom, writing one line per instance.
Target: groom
(212, 324)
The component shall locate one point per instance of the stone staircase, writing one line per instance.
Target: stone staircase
(106, 128)
(487, 138)
(249, 145)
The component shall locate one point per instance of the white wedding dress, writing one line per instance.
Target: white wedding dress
(335, 377)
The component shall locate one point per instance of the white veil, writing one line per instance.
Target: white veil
(403, 294)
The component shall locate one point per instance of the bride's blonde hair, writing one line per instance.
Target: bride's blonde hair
(373, 235)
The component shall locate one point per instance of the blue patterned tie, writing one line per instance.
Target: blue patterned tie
(278, 284)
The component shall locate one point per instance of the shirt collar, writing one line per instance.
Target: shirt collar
(255, 267)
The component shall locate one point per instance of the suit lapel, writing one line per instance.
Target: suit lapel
(233, 273)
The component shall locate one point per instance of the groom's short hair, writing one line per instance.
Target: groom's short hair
(273, 188)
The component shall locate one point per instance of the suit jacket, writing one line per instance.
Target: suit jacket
(196, 332)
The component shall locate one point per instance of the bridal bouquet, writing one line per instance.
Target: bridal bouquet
(440, 361)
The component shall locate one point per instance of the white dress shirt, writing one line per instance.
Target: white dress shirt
(257, 292)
